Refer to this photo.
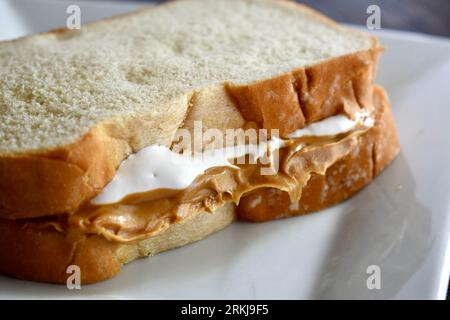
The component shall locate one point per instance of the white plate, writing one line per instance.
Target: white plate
(400, 222)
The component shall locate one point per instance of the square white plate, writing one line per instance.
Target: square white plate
(400, 222)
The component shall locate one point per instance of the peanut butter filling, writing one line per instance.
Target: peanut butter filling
(142, 215)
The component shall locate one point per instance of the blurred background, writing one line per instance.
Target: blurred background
(429, 17)
(432, 17)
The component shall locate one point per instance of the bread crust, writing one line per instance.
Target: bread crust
(340, 85)
(374, 151)
(29, 252)
(58, 181)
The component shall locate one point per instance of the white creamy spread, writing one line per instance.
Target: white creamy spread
(157, 167)
(332, 126)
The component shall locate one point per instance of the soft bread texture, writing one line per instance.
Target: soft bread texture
(65, 83)
(31, 253)
(75, 104)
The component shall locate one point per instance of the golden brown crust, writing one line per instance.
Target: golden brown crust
(59, 180)
(309, 94)
(374, 151)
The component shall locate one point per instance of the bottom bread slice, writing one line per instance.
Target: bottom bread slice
(31, 253)
(44, 255)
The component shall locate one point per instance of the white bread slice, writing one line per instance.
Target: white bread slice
(74, 104)
(57, 86)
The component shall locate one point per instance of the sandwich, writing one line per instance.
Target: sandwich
(115, 138)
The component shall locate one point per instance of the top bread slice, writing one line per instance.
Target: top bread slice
(74, 104)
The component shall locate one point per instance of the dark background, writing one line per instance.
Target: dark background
(432, 16)
(425, 16)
